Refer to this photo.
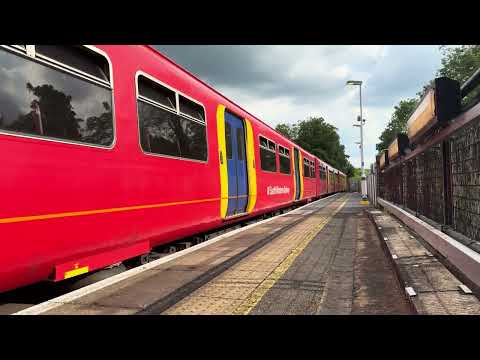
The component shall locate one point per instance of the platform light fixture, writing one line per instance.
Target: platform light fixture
(362, 121)
(398, 146)
(440, 104)
(383, 161)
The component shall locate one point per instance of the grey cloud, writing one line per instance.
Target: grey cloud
(260, 69)
(264, 70)
(290, 83)
(401, 74)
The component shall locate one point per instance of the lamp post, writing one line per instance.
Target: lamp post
(360, 118)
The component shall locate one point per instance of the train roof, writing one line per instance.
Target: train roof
(181, 68)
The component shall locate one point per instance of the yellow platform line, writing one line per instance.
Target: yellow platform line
(249, 303)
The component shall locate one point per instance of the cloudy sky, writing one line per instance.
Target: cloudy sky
(290, 83)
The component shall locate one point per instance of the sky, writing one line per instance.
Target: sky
(288, 83)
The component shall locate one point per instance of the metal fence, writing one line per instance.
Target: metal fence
(372, 187)
(440, 179)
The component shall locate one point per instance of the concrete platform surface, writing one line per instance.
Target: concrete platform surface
(434, 289)
(324, 258)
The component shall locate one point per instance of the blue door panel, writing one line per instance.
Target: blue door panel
(231, 168)
(236, 165)
(242, 181)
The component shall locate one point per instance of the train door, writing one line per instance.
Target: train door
(236, 164)
(297, 174)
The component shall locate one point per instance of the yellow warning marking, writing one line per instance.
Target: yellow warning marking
(76, 271)
(248, 304)
(364, 202)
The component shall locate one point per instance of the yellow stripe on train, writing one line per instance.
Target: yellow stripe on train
(222, 153)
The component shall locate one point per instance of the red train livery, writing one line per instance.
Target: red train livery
(109, 151)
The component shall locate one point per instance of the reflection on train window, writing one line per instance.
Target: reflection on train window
(263, 142)
(271, 146)
(77, 57)
(156, 93)
(268, 158)
(45, 101)
(167, 133)
(190, 108)
(228, 140)
(240, 144)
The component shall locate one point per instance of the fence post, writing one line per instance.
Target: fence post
(447, 184)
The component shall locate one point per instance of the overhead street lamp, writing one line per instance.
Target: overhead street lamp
(362, 121)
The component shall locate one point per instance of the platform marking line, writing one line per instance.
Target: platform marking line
(76, 294)
(249, 304)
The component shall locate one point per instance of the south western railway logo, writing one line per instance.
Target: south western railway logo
(277, 190)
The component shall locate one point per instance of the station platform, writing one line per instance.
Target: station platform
(323, 258)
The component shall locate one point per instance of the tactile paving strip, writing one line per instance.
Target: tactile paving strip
(240, 288)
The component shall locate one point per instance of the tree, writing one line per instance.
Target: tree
(458, 63)
(357, 173)
(55, 110)
(289, 131)
(319, 138)
(99, 128)
(397, 123)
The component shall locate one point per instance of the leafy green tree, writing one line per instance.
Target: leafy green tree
(397, 123)
(319, 138)
(289, 131)
(458, 63)
(357, 173)
(99, 128)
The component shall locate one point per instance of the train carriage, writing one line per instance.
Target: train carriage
(109, 151)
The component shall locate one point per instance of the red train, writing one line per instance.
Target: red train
(109, 151)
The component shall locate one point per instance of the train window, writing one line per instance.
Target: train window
(306, 168)
(45, 100)
(193, 139)
(155, 92)
(272, 146)
(228, 140)
(165, 131)
(263, 142)
(284, 160)
(158, 135)
(77, 57)
(240, 144)
(323, 174)
(190, 108)
(268, 155)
